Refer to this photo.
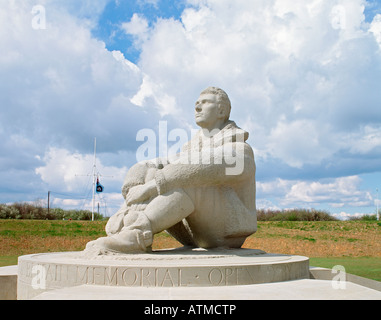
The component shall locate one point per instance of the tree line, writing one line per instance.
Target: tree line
(28, 211)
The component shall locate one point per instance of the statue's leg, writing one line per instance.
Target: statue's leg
(115, 223)
(134, 238)
(167, 210)
(139, 228)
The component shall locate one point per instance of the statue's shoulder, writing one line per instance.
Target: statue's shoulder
(233, 133)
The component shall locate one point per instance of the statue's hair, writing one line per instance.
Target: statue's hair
(222, 98)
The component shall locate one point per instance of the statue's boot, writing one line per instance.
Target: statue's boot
(116, 223)
(136, 237)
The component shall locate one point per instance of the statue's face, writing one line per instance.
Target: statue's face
(207, 111)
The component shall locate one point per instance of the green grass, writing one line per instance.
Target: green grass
(46, 228)
(8, 261)
(366, 267)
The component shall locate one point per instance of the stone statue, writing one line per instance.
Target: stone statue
(204, 196)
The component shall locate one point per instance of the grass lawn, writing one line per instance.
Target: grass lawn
(367, 267)
(8, 261)
(356, 245)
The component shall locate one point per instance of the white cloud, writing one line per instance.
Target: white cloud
(63, 170)
(60, 88)
(375, 28)
(278, 187)
(150, 91)
(87, 10)
(56, 81)
(267, 205)
(367, 141)
(137, 26)
(297, 143)
(335, 193)
(338, 192)
(69, 177)
(347, 216)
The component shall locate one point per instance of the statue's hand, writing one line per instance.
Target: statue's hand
(141, 193)
(125, 190)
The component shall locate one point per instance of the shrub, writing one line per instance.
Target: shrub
(37, 212)
(365, 217)
(9, 212)
(294, 215)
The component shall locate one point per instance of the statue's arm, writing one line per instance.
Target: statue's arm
(227, 165)
(135, 176)
(141, 173)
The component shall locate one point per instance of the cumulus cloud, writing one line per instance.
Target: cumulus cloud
(60, 83)
(62, 170)
(60, 88)
(69, 174)
(376, 28)
(287, 143)
(336, 193)
(339, 192)
(138, 27)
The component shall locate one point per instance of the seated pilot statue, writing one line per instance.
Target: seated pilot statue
(204, 196)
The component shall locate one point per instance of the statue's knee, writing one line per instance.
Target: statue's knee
(185, 201)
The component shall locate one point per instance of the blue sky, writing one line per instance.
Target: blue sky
(303, 77)
(117, 12)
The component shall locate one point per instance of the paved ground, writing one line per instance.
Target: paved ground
(290, 290)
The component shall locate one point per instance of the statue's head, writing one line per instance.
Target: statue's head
(212, 108)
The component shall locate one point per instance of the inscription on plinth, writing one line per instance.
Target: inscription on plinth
(44, 272)
(134, 277)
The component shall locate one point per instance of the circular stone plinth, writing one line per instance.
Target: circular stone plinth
(39, 273)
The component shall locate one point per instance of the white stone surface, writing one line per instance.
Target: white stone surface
(8, 271)
(290, 290)
(328, 274)
(8, 283)
(169, 268)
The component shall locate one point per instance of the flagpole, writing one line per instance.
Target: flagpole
(377, 215)
(96, 183)
(94, 174)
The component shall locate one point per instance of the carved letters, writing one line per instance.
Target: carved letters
(139, 277)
